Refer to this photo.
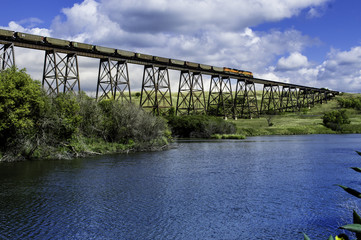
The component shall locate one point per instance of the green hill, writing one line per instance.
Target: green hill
(308, 121)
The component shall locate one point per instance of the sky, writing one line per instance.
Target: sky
(313, 43)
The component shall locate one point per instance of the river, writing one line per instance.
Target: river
(272, 187)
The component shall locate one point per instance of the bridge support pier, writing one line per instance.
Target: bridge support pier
(191, 97)
(318, 97)
(289, 98)
(302, 98)
(113, 81)
(245, 100)
(156, 93)
(61, 72)
(220, 99)
(7, 56)
(271, 98)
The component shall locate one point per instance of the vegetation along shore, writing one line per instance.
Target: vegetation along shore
(36, 126)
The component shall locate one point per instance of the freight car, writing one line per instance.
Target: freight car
(124, 53)
(82, 46)
(105, 50)
(29, 37)
(6, 33)
(57, 42)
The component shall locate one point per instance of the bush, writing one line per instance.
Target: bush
(121, 122)
(199, 126)
(350, 102)
(335, 119)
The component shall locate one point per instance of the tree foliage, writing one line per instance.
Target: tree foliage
(21, 105)
(335, 119)
(350, 102)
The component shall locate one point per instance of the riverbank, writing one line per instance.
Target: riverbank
(308, 121)
(38, 125)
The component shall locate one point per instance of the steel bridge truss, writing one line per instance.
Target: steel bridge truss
(191, 99)
(113, 80)
(61, 73)
(245, 100)
(156, 92)
(7, 56)
(271, 99)
(289, 99)
(220, 99)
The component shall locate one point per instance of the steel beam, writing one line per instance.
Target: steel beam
(191, 99)
(61, 73)
(271, 99)
(156, 93)
(318, 97)
(113, 80)
(164, 93)
(245, 100)
(289, 98)
(302, 98)
(220, 99)
(7, 56)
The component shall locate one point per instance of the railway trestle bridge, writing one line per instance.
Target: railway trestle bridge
(232, 93)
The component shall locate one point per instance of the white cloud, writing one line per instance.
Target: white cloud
(342, 69)
(19, 28)
(192, 15)
(339, 71)
(293, 62)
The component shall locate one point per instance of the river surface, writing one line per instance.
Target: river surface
(273, 187)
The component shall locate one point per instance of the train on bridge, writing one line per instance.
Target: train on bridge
(60, 43)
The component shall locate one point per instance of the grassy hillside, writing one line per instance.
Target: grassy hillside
(307, 121)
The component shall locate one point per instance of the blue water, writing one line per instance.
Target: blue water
(273, 187)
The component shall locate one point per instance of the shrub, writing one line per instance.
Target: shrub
(199, 126)
(335, 119)
(350, 102)
(121, 122)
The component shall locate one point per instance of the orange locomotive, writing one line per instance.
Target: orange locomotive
(240, 72)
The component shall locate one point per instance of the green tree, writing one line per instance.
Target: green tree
(21, 105)
(335, 119)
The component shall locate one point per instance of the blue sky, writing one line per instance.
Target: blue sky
(337, 26)
(308, 42)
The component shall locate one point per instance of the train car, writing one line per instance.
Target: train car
(192, 64)
(144, 56)
(82, 46)
(29, 37)
(105, 50)
(6, 33)
(161, 59)
(177, 62)
(239, 72)
(124, 53)
(57, 42)
(205, 67)
(217, 69)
